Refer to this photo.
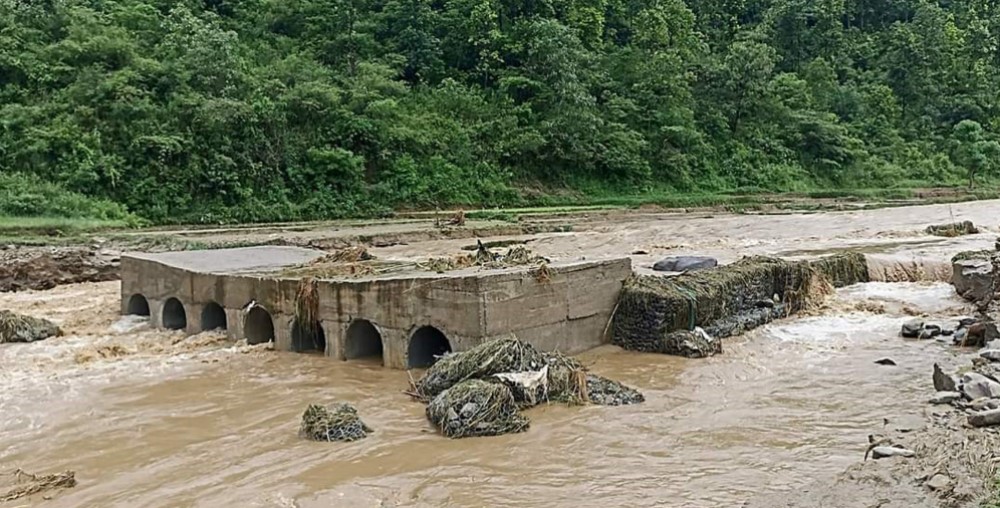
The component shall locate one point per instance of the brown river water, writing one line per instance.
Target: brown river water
(151, 418)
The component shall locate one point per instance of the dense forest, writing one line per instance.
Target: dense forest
(249, 110)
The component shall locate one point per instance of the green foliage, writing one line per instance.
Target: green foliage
(34, 201)
(263, 110)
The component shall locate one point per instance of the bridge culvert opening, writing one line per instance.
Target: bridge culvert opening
(308, 337)
(213, 317)
(363, 340)
(138, 305)
(427, 344)
(258, 327)
(174, 317)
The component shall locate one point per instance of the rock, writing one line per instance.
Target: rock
(939, 482)
(881, 452)
(993, 344)
(693, 344)
(967, 322)
(992, 355)
(944, 382)
(945, 397)
(685, 263)
(976, 385)
(885, 361)
(911, 329)
(960, 335)
(983, 404)
(20, 328)
(973, 279)
(981, 333)
(947, 332)
(929, 332)
(985, 418)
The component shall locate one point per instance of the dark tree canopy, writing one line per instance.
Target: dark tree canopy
(247, 110)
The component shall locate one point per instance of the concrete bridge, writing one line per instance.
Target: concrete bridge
(406, 318)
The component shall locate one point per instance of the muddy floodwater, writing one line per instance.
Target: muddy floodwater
(151, 418)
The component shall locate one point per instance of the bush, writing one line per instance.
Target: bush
(28, 196)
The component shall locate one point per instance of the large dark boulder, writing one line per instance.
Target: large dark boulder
(973, 279)
(685, 263)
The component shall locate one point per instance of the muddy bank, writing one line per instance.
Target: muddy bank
(47, 267)
(952, 467)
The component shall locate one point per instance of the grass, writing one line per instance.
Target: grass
(993, 501)
(42, 230)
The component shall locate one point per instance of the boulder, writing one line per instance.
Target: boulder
(960, 335)
(929, 332)
(21, 328)
(980, 333)
(881, 452)
(976, 385)
(944, 382)
(939, 482)
(685, 263)
(992, 355)
(983, 404)
(985, 418)
(912, 328)
(885, 361)
(945, 397)
(967, 322)
(973, 279)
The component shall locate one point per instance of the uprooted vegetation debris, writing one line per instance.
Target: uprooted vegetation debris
(339, 422)
(348, 262)
(485, 258)
(480, 391)
(22, 484)
(687, 314)
(20, 328)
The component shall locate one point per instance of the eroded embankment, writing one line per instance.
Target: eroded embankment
(47, 267)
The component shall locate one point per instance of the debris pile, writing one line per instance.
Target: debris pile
(23, 484)
(475, 408)
(348, 262)
(479, 392)
(20, 328)
(664, 314)
(339, 422)
(485, 258)
(953, 229)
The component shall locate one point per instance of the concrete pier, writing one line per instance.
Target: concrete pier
(406, 318)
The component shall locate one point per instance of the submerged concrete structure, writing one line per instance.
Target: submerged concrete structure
(405, 317)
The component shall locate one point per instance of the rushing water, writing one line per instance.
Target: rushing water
(149, 418)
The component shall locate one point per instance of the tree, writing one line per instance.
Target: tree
(973, 151)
